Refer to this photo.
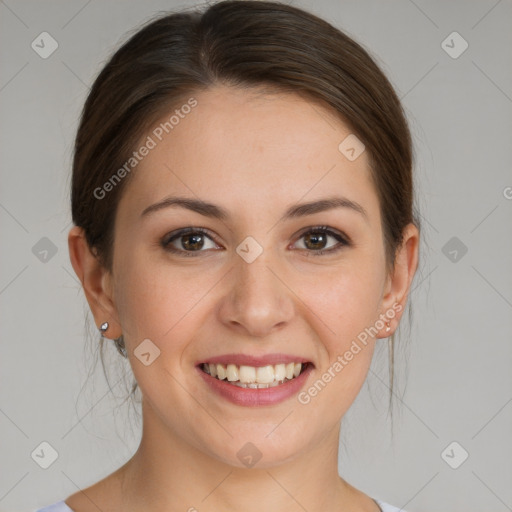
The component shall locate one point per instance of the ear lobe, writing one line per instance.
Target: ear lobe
(96, 281)
(399, 282)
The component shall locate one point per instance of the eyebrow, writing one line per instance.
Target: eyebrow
(294, 211)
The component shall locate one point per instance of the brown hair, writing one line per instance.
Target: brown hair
(243, 44)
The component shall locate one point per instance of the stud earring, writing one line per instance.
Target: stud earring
(388, 328)
(118, 342)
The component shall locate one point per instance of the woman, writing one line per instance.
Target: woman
(244, 231)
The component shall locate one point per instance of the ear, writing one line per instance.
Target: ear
(96, 282)
(398, 283)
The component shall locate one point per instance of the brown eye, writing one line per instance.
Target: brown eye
(188, 241)
(192, 242)
(316, 241)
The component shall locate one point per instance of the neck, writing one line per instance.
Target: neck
(168, 474)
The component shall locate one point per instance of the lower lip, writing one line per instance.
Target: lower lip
(256, 397)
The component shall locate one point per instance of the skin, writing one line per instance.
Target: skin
(255, 155)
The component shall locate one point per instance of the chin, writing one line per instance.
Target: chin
(258, 446)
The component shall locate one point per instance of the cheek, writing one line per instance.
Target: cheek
(158, 301)
(346, 303)
(345, 299)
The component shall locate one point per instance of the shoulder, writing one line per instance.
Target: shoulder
(386, 507)
(59, 506)
(104, 495)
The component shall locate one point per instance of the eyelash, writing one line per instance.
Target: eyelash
(343, 240)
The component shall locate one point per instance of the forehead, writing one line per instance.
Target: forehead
(248, 148)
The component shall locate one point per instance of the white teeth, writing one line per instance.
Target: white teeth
(232, 372)
(279, 372)
(254, 377)
(247, 374)
(265, 374)
(221, 372)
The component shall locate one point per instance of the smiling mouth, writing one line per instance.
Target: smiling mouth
(255, 377)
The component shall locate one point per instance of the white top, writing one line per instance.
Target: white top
(60, 506)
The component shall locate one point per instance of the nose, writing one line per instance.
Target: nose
(258, 301)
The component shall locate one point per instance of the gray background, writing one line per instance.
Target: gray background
(454, 376)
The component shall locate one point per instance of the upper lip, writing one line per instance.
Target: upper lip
(248, 360)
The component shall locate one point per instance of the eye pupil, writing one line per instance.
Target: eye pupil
(197, 239)
(315, 238)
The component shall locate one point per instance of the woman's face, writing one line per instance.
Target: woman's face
(252, 290)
